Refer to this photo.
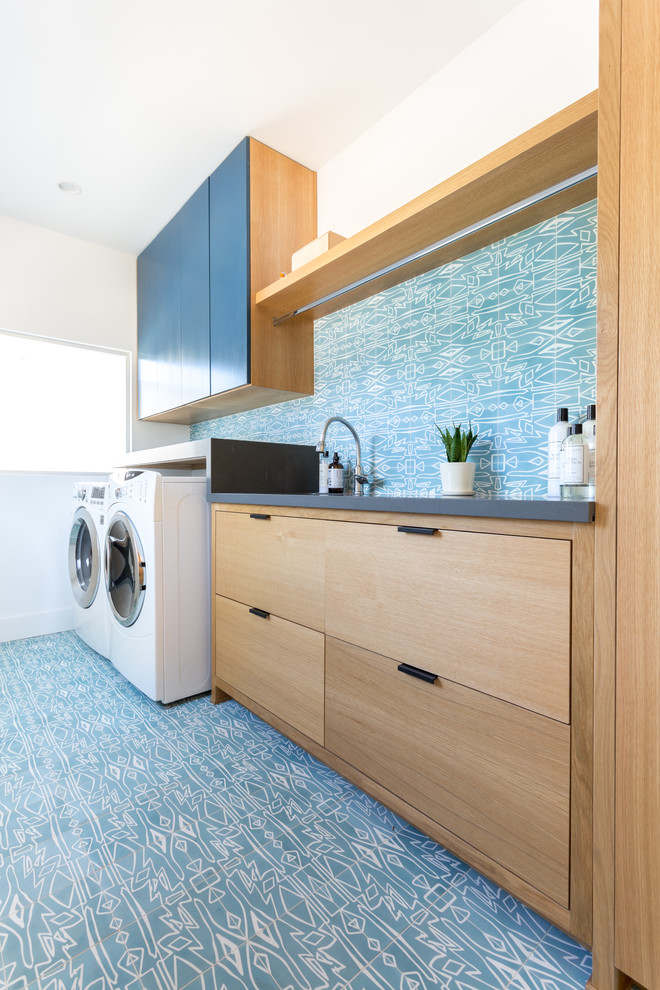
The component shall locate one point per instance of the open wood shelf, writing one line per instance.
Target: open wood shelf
(555, 150)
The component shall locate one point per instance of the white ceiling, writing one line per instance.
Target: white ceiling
(139, 100)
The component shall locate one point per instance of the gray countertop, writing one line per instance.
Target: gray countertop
(196, 455)
(491, 507)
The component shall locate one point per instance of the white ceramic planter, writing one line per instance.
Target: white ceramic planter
(457, 477)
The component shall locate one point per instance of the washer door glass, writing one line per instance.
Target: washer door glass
(124, 569)
(84, 571)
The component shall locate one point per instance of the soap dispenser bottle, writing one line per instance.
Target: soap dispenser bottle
(336, 477)
(324, 468)
(555, 438)
(574, 464)
(589, 425)
(591, 442)
(589, 431)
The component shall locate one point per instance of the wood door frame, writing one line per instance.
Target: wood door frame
(605, 975)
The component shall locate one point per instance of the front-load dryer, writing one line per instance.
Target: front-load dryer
(86, 540)
(157, 567)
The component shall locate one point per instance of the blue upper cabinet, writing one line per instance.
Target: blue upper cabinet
(173, 311)
(204, 349)
(229, 211)
(159, 320)
(149, 301)
(194, 268)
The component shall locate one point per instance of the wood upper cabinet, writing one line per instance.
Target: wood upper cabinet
(449, 217)
(203, 348)
(488, 611)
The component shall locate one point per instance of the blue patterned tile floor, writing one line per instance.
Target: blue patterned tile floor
(153, 848)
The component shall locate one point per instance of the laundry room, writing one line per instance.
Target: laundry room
(329, 648)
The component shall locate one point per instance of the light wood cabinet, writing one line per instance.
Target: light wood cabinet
(492, 759)
(488, 611)
(269, 620)
(493, 773)
(276, 563)
(279, 664)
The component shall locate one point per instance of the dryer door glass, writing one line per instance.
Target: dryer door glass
(125, 569)
(84, 549)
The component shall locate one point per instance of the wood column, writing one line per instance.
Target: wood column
(605, 975)
(627, 637)
(637, 843)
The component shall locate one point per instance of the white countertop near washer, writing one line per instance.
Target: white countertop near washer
(190, 456)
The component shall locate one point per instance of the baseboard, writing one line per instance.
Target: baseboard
(37, 624)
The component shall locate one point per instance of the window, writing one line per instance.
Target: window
(63, 407)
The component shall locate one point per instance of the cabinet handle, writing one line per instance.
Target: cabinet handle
(258, 515)
(420, 530)
(424, 675)
(260, 612)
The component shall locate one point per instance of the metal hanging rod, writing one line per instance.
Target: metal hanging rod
(508, 211)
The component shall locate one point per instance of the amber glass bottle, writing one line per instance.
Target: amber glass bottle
(336, 477)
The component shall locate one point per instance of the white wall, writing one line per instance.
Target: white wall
(35, 595)
(61, 287)
(538, 59)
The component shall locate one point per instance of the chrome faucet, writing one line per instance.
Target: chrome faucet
(359, 479)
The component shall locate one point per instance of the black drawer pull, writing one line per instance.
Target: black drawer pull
(258, 515)
(260, 612)
(424, 675)
(420, 530)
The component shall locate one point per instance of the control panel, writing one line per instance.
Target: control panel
(130, 486)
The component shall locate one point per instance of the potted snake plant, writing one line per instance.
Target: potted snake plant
(457, 473)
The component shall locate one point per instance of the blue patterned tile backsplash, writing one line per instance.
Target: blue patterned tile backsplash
(500, 338)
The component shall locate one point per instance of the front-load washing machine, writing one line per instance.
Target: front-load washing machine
(157, 567)
(86, 540)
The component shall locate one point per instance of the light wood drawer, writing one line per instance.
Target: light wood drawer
(488, 611)
(277, 663)
(494, 774)
(276, 563)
